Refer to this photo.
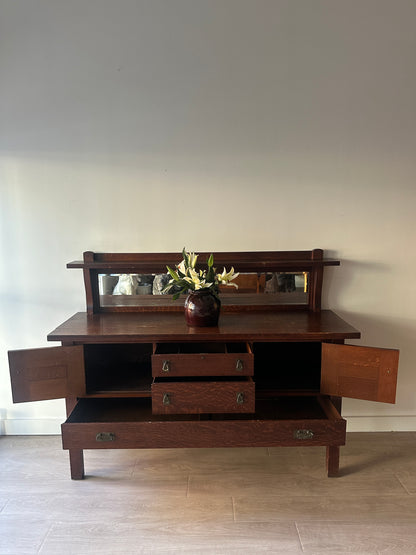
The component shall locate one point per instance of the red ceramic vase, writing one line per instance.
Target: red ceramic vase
(202, 308)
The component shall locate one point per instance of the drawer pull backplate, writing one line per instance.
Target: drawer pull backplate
(239, 365)
(303, 434)
(105, 436)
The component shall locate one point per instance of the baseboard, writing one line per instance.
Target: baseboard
(380, 423)
(52, 426)
(33, 426)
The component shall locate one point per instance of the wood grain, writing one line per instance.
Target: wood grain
(254, 326)
(222, 501)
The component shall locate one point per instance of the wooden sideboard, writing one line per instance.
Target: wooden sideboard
(273, 372)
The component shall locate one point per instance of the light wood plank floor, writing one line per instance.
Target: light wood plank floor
(209, 501)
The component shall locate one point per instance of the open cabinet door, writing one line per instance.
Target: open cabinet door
(359, 372)
(50, 373)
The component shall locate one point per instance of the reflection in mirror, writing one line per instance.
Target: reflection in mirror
(129, 289)
(132, 284)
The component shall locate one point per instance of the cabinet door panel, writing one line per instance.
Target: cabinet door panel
(51, 373)
(359, 372)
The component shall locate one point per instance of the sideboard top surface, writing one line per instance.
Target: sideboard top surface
(171, 326)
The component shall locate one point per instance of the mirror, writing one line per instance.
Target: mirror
(139, 289)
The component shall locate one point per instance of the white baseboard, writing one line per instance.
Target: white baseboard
(380, 423)
(52, 426)
(33, 426)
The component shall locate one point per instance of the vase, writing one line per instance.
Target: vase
(202, 308)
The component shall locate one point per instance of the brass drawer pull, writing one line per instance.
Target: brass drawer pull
(105, 436)
(239, 365)
(240, 398)
(166, 399)
(166, 366)
(303, 434)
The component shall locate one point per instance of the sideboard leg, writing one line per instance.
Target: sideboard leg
(76, 462)
(332, 460)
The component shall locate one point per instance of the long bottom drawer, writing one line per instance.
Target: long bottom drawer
(130, 424)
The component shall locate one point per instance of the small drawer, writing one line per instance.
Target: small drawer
(204, 396)
(202, 359)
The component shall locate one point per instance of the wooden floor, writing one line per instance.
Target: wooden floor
(209, 501)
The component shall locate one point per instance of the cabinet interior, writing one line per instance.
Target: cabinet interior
(125, 369)
(201, 348)
(287, 367)
(140, 410)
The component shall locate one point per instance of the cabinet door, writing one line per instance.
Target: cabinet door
(359, 372)
(51, 373)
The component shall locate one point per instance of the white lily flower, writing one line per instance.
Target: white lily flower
(225, 278)
(181, 267)
(192, 259)
(186, 276)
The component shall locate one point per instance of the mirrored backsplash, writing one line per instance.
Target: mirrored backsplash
(129, 289)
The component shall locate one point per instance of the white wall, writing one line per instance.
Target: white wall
(216, 124)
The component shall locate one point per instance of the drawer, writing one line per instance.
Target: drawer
(130, 424)
(203, 396)
(202, 359)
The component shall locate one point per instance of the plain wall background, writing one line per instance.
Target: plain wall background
(149, 125)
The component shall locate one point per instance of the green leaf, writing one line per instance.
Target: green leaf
(210, 274)
(210, 261)
(185, 257)
(173, 274)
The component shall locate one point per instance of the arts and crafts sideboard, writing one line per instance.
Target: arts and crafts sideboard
(272, 373)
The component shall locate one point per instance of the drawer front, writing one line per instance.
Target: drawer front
(202, 364)
(170, 397)
(210, 433)
(129, 424)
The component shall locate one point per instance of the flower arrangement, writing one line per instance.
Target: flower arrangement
(186, 277)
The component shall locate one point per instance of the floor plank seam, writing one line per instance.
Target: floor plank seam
(299, 537)
(45, 538)
(233, 508)
(188, 483)
(403, 485)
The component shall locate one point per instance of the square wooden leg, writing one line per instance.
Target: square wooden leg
(76, 462)
(332, 460)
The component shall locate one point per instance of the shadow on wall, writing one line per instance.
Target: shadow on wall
(349, 276)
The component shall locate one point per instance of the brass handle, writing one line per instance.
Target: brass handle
(166, 399)
(303, 434)
(240, 398)
(105, 436)
(166, 366)
(239, 365)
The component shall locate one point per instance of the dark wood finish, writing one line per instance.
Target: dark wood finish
(157, 327)
(332, 460)
(76, 463)
(51, 373)
(359, 372)
(292, 374)
(274, 424)
(316, 279)
(90, 280)
(243, 262)
(209, 396)
(70, 404)
(166, 364)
